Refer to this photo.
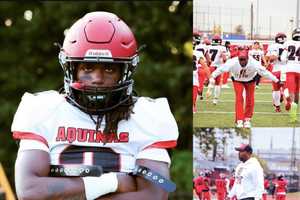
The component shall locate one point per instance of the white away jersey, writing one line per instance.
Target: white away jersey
(292, 55)
(256, 54)
(216, 53)
(244, 74)
(70, 136)
(202, 48)
(276, 49)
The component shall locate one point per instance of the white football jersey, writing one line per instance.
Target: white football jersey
(69, 134)
(292, 55)
(276, 49)
(198, 55)
(216, 53)
(202, 48)
(257, 54)
(244, 74)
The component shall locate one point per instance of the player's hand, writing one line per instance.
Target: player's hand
(126, 183)
(212, 81)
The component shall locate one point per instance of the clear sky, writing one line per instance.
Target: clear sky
(270, 16)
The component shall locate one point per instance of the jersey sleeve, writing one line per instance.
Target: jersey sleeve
(156, 154)
(158, 128)
(28, 120)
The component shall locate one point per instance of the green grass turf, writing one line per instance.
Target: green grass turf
(264, 114)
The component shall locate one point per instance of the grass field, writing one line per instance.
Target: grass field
(289, 196)
(223, 114)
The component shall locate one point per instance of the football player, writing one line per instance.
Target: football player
(280, 188)
(258, 55)
(291, 54)
(202, 69)
(95, 139)
(217, 54)
(274, 56)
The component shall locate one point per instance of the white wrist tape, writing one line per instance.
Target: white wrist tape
(99, 186)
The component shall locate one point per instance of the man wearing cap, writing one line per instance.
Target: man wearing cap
(243, 69)
(249, 176)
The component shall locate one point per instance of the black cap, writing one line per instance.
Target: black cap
(244, 147)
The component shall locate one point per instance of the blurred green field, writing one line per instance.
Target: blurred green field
(223, 114)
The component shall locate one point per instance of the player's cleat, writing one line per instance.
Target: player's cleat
(288, 104)
(277, 108)
(257, 87)
(293, 112)
(239, 124)
(194, 109)
(247, 123)
(215, 101)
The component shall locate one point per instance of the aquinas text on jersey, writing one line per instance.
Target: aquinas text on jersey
(72, 134)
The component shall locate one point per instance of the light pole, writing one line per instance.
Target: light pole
(251, 22)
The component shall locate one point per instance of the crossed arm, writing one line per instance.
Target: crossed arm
(32, 181)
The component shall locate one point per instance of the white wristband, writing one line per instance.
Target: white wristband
(99, 186)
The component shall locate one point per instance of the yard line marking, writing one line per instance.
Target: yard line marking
(233, 101)
(222, 112)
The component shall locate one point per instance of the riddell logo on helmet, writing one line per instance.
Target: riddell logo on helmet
(98, 53)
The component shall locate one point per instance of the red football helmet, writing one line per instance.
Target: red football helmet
(280, 38)
(98, 37)
(216, 40)
(197, 35)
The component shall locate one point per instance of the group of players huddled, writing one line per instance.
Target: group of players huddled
(208, 187)
(281, 58)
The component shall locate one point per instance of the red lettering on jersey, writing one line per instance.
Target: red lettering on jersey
(100, 137)
(82, 135)
(124, 137)
(89, 135)
(61, 136)
(71, 134)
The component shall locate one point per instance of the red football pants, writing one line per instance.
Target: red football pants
(195, 94)
(225, 78)
(240, 112)
(218, 78)
(293, 81)
(201, 77)
(276, 86)
(206, 195)
(280, 197)
(264, 196)
(221, 195)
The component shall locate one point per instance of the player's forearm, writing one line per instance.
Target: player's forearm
(39, 188)
(142, 194)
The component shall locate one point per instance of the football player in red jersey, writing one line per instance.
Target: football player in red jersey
(221, 187)
(206, 189)
(266, 187)
(280, 188)
(94, 140)
(198, 185)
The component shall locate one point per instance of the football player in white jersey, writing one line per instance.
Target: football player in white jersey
(202, 69)
(199, 66)
(217, 54)
(258, 55)
(95, 139)
(291, 54)
(273, 55)
(243, 69)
